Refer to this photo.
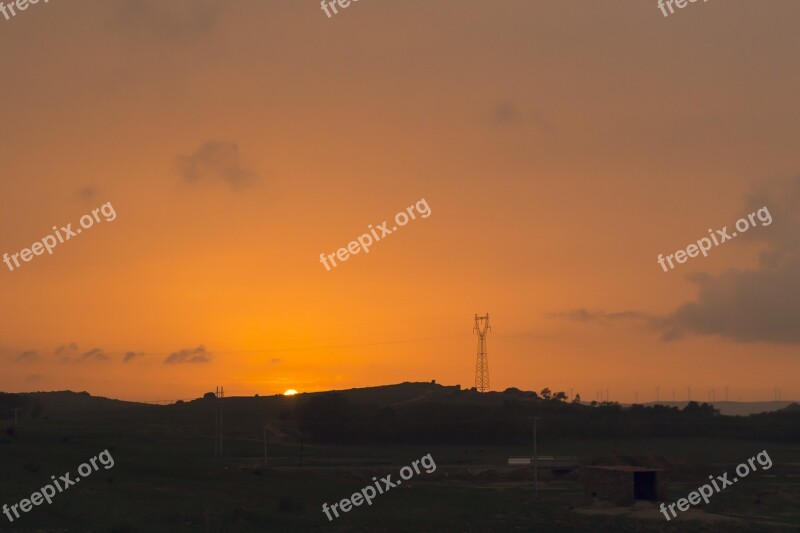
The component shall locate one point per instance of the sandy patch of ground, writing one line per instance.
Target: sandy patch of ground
(649, 511)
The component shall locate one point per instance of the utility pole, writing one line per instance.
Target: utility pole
(302, 435)
(535, 461)
(220, 394)
(481, 327)
(689, 393)
(613, 419)
(265, 446)
(16, 410)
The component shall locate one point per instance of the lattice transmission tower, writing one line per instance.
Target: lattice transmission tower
(482, 365)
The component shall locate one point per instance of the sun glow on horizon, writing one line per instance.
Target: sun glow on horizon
(290, 392)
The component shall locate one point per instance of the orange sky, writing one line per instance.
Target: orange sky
(561, 146)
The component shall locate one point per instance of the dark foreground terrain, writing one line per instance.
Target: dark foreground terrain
(322, 448)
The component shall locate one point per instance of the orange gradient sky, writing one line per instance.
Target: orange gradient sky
(561, 146)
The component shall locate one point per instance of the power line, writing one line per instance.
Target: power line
(346, 345)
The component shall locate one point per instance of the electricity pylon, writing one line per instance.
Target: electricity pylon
(482, 365)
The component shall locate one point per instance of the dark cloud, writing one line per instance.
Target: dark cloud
(28, 356)
(197, 355)
(754, 305)
(130, 356)
(761, 304)
(216, 161)
(275, 361)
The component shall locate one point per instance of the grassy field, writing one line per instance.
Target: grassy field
(165, 479)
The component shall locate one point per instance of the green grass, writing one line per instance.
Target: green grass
(166, 480)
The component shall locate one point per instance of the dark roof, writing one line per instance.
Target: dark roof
(625, 468)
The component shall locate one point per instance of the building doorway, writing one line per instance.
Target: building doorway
(644, 485)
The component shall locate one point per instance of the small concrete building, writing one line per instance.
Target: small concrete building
(624, 484)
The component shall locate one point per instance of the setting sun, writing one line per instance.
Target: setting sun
(290, 392)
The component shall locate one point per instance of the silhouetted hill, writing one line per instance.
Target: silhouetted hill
(792, 408)
(397, 394)
(68, 401)
(415, 413)
(736, 408)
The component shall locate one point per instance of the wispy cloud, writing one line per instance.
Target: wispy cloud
(86, 193)
(130, 356)
(167, 22)
(29, 356)
(506, 113)
(197, 355)
(69, 354)
(216, 161)
(66, 348)
(95, 354)
(509, 114)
